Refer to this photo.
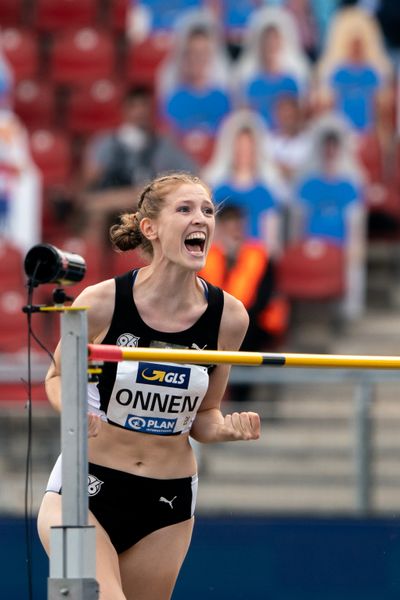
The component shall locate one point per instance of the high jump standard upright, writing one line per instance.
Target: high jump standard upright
(72, 545)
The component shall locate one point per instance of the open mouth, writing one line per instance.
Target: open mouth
(195, 242)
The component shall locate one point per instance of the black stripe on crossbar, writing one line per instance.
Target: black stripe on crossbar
(278, 360)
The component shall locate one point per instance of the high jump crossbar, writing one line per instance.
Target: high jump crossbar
(108, 353)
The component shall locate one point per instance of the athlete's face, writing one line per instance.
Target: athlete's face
(183, 231)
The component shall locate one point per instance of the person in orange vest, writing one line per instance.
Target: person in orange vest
(243, 267)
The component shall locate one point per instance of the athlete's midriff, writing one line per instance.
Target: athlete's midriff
(162, 457)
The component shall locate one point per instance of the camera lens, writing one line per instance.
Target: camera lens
(45, 263)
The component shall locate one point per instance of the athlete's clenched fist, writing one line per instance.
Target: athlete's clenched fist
(242, 426)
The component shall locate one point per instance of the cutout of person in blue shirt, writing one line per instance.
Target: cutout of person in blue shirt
(354, 70)
(192, 86)
(355, 84)
(329, 202)
(241, 173)
(272, 64)
(271, 83)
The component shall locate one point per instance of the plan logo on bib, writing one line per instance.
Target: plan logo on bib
(128, 340)
(157, 425)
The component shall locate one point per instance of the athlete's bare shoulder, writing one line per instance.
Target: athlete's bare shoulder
(234, 323)
(100, 300)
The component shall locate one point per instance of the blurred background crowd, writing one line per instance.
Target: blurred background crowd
(287, 109)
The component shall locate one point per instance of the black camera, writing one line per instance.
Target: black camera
(45, 263)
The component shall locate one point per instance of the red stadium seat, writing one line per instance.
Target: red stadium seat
(13, 324)
(56, 15)
(21, 49)
(95, 108)
(313, 269)
(11, 265)
(121, 262)
(34, 103)
(143, 58)
(51, 151)
(11, 392)
(198, 145)
(81, 56)
(11, 13)
(118, 14)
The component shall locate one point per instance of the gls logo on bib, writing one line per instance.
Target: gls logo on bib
(156, 374)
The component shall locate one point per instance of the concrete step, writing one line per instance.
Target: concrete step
(377, 332)
(258, 498)
(295, 468)
(307, 438)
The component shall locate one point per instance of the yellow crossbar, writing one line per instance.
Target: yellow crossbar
(99, 352)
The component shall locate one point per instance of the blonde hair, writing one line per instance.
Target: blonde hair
(347, 24)
(127, 235)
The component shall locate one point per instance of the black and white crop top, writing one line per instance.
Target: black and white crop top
(156, 398)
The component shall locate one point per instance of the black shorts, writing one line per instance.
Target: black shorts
(129, 507)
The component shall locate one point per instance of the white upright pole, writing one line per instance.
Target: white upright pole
(72, 545)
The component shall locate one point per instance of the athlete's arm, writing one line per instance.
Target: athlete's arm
(100, 300)
(210, 425)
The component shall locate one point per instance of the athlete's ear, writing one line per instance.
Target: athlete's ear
(148, 228)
